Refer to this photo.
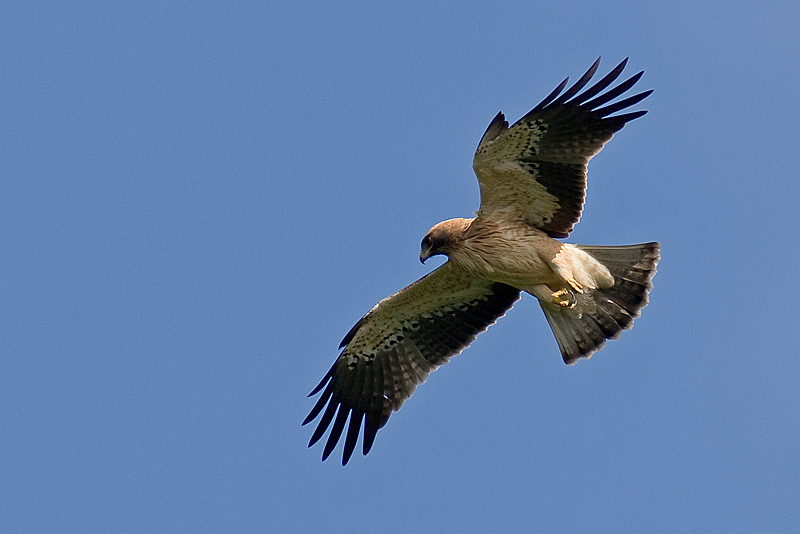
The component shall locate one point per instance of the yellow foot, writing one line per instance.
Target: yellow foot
(575, 285)
(564, 298)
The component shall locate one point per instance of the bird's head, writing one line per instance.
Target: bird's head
(443, 238)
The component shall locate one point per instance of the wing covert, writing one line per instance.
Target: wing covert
(396, 345)
(536, 170)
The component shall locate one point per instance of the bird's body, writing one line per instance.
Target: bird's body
(532, 179)
(522, 256)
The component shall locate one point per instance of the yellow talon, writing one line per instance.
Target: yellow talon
(563, 298)
(575, 285)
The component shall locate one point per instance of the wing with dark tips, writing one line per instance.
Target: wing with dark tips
(394, 348)
(536, 170)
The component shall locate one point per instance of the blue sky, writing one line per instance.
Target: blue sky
(198, 200)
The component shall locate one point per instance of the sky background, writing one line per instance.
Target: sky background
(198, 200)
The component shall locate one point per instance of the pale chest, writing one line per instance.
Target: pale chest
(516, 256)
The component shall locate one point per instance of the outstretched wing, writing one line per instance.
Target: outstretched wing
(397, 344)
(536, 170)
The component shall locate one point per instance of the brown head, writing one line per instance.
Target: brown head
(443, 238)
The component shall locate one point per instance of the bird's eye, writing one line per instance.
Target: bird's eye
(426, 242)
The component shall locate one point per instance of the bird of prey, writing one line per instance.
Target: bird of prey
(532, 180)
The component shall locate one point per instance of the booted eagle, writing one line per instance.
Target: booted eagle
(532, 180)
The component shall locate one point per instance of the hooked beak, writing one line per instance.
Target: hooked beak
(424, 255)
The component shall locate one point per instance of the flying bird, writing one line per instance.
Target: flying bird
(532, 179)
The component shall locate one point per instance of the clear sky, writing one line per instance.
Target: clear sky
(198, 200)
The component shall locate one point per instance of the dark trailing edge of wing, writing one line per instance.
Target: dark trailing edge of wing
(365, 391)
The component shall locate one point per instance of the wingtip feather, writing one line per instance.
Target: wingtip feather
(577, 86)
(549, 98)
(352, 435)
(336, 432)
(323, 424)
(318, 406)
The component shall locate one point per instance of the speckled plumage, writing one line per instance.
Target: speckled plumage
(532, 180)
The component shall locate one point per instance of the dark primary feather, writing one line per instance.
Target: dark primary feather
(572, 91)
(368, 385)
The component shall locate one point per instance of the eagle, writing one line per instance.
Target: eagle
(532, 179)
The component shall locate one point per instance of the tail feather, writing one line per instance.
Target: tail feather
(603, 313)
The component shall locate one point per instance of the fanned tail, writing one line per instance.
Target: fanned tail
(603, 313)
